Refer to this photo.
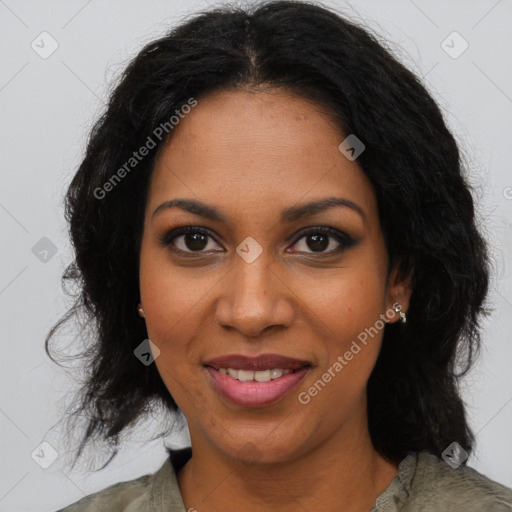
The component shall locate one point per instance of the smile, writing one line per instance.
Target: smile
(246, 388)
(258, 376)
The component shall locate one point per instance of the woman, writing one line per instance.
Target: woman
(274, 236)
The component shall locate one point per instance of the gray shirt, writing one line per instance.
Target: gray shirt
(425, 483)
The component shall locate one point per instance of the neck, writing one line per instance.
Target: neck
(342, 473)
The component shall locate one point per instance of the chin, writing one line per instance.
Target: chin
(260, 450)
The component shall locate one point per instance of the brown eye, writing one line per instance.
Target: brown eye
(324, 240)
(194, 241)
(188, 239)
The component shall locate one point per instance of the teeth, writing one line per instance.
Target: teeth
(275, 373)
(262, 376)
(258, 376)
(244, 375)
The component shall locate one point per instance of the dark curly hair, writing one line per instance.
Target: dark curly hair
(411, 158)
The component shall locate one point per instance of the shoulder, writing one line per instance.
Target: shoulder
(440, 487)
(120, 497)
(156, 492)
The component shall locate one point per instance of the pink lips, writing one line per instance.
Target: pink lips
(252, 393)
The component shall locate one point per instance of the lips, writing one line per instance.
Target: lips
(256, 363)
(231, 376)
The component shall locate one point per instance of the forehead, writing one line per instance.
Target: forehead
(256, 149)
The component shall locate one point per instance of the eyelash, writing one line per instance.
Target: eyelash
(345, 241)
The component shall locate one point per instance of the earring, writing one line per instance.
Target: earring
(398, 309)
(140, 310)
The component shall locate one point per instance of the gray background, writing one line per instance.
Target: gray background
(47, 107)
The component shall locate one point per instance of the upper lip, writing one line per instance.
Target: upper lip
(255, 363)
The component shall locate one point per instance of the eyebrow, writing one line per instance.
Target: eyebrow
(288, 215)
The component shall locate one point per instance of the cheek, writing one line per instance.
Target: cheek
(172, 303)
(348, 334)
(172, 297)
(347, 303)
(174, 319)
(347, 312)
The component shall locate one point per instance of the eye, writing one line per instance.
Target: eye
(193, 239)
(321, 238)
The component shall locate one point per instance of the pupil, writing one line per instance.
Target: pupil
(317, 242)
(195, 241)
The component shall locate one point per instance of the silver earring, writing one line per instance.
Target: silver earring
(398, 309)
(141, 311)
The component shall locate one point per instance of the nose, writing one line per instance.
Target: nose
(255, 298)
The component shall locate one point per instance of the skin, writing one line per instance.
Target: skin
(250, 154)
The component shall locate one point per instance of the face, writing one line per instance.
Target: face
(265, 280)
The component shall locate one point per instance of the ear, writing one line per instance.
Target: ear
(399, 288)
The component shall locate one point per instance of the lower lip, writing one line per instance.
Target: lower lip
(253, 393)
